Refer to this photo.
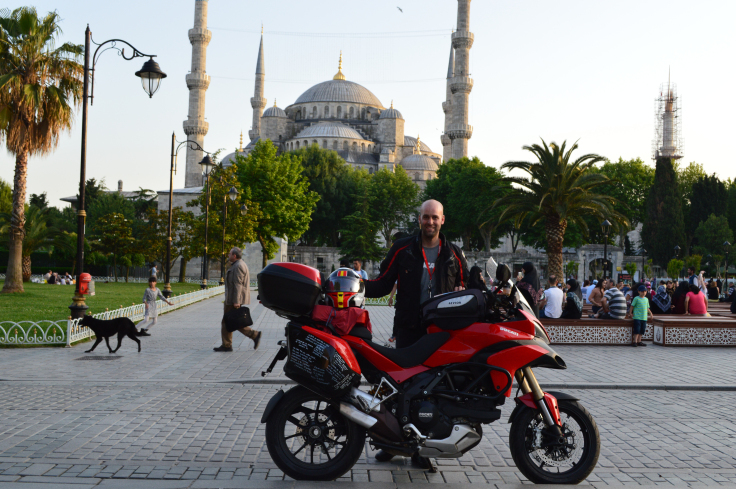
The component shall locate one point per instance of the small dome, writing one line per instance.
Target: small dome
(229, 160)
(391, 113)
(419, 162)
(410, 141)
(274, 112)
(329, 130)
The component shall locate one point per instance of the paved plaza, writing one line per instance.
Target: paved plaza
(179, 415)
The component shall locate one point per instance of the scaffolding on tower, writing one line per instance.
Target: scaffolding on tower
(668, 124)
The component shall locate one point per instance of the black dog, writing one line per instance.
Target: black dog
(105, 329)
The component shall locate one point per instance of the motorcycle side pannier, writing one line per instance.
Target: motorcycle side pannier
(289, 289)
(320, 362)
(454, 310)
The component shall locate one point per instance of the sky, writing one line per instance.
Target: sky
(567, 70)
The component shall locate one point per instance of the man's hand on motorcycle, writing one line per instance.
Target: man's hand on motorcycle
(459, 288)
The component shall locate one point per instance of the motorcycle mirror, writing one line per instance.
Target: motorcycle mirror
(503, 274)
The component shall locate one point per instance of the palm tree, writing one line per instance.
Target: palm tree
(557, 192)
(40, 84)
(36, 234)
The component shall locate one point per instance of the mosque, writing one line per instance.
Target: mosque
(339, 114)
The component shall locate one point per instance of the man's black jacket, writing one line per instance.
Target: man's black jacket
(404, 265)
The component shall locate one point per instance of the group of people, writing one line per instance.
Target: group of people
(56, 279)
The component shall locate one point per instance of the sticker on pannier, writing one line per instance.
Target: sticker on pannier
(317, 364)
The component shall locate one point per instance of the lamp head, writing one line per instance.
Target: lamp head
(244, 211)
(151, 76)
(207, 164)
(233, 193)
(606, 227)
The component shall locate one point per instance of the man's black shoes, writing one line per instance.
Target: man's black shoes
(383, 456)
(421, 462)
(223, 348)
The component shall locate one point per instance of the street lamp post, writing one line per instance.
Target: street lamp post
(643, 257)
(726, 249)
(207, 166)
(174, 153)
(233, 194)
(606, 227)
(151, 76)
(677, 255)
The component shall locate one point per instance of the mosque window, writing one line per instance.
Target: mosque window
(334, 145)
(370, 170)
(297, 145)
(355, 146)
(327, 111)
(416, 176)
(339, 112)
(324, 143)
(306, 144)
(362, 147)
(362, 113)
(345, 145)
(298, 115)
(314, 112)
(351, 113)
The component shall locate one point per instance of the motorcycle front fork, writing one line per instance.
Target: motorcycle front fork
(528, 383)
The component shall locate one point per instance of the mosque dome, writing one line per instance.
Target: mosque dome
(274, 111)
(410, 141)
(419, 162)
(391, 113)
(329, 130)
(339, 91)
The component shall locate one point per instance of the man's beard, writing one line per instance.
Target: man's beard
(430, 234)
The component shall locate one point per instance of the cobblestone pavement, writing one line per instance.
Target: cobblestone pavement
(179, 415)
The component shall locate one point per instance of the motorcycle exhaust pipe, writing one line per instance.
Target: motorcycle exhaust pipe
(357, 416)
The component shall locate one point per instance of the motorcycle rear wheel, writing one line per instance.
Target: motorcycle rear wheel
(569, 463)
(310, 440)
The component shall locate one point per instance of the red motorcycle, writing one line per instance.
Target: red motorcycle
(430, 399)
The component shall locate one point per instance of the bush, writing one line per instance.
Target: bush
(674, 267)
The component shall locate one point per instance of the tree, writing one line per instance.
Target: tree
(674, 267)
(628, 248)
(40, 84)
(114, 237)
(630, 184)
(694, 261)
(631, 268)
(277, 186)
(708, 197)
(557, 192)
(359, 232)
(393, 199)
(571, 268)
(36, 235)
(687, 176)
(39, 201)
(6, 197)
(92, 191)
(333, 180)
(664, 227)
(713, 232)
(109, 203)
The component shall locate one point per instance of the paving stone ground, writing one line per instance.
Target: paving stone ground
(179, 415)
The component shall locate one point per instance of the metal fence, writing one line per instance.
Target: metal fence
(141, 280)
(69, 331)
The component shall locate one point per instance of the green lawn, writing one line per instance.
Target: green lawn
(50, 302)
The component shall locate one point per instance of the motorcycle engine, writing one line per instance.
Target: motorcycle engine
(429, 420)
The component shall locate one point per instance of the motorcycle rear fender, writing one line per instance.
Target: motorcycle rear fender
(526, 402)
(272, 405)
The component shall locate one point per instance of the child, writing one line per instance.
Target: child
(641, 312)
(149, 299)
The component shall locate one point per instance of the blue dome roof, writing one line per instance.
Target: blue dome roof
(329, 130)
(391, 114)
(419, 162)
(274, 112)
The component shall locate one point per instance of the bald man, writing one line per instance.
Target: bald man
(424, 265)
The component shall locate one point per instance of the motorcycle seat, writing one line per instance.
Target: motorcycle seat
(415, 354)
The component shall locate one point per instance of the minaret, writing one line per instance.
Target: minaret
(461, 84)
(447, 109)
(257, 101)
(195, 127)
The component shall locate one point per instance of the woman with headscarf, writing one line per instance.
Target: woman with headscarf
(661, 302)
(678, 300)
(475, 279)
(529, 286)
(573, 304)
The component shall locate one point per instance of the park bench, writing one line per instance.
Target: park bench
(587, 331)
(695, 331)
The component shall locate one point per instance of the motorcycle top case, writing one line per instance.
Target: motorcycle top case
(289, 289)
(454, 310)
(320, 362)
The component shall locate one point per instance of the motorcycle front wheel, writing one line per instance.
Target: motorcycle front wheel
(544, 459)
(309, 439)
